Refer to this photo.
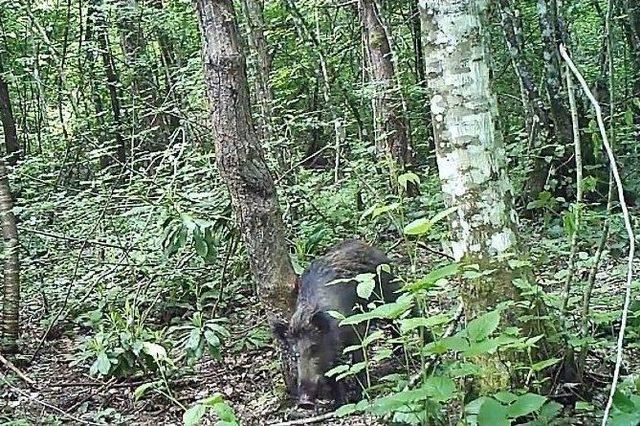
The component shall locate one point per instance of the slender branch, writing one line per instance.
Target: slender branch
(586, 301)
(627, 224)
(307, 420)
(50, 406)
(578, 206)
(77, 240)
(16, 370)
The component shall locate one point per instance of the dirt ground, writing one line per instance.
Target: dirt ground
(64, 393)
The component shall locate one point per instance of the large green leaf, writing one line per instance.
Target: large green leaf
(418, 227)
(433, 277)
(482, 327)
(193, 415)
(440, 388)
(492, 413)
(526, 404)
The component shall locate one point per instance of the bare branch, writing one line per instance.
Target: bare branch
(627, 224)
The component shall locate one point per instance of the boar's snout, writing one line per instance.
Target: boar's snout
(306, 402)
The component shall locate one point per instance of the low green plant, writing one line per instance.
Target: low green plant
(224, 412)
(200, 336)
(123, 344)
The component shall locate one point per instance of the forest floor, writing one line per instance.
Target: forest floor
(64, 393)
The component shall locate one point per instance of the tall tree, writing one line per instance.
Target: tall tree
(148, 102)
(170, 63)
(553, 34)
(102, 36)
(254, 10)
(470, 155)
(11, 302)
(240, 160)
(11, 143)
(631, 26)
(390, 124)
(539, 123)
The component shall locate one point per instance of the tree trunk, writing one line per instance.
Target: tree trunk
(170, 62)
(470, 155)
(11, 143)
(559, 112)
(255, 19)
(102, 36)
(11, 303)
(241, 163)
(391, 128)
(632, 31)
(539, 124)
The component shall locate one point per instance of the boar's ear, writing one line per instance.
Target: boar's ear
(320, 320)
(280, 330)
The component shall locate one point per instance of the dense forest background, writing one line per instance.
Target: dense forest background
(128, 295)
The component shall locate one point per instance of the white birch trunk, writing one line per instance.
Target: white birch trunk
(469, 150)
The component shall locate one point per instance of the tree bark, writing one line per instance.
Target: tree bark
(11, 143)
(255, 19)
(170, 62)
(11, 303)
(552, 36)
(632, 31)
(391, 127)
(102, 37)
(470, 154)
(241, 163)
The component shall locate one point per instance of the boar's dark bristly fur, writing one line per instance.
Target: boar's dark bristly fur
(317, 338)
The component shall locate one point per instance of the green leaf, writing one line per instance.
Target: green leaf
(405, 178)
(440, 388)
(337, 370)
(193, 415)
(628, 117)
(213, 400)
(345, 410)
(392, 402)
(506, 397)
(387, 311)
(550, 410)
(433, 277)
(156, 351)
(583, 406)
(526, 404)
(384, 209)
(539, 366)
(142, 389)
(473, 407)
(417, 227)
(357, 319)
(366, 285)
(492, 413)
(211, 338)
(200, 243)
(194, 339)
(455, 343)
(482, 347)
(103, 363)
(482, 327)
(372, 337)
(441, 215)
(225, 414)
(408, 324)
(623, 403)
